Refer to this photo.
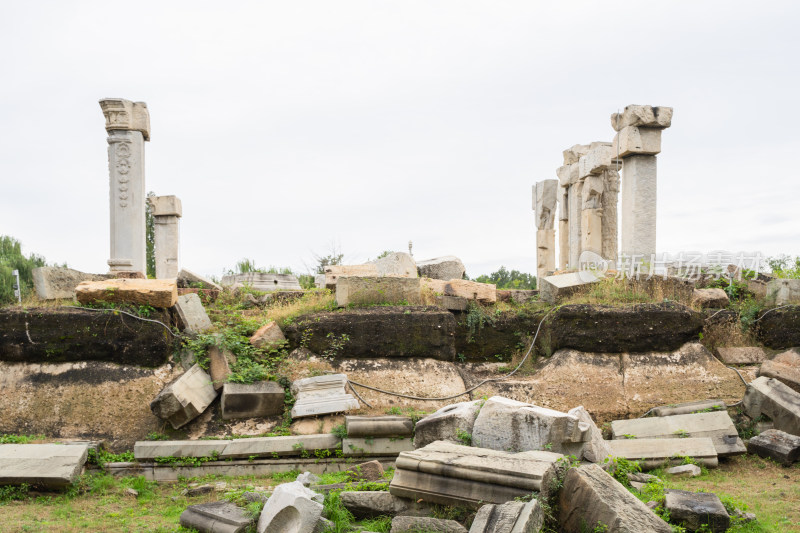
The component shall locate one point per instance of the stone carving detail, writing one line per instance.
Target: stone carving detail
(126, 115)
(123, 167)
(593, 188)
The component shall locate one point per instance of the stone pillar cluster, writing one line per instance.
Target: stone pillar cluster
(128, 127)
(588, 189)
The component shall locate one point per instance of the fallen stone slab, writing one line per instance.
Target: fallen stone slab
(292, 507)
(471, 290)
(281, 446)
(262, 282)
(779, 329)
(369, 471)
(252, 400)
(554, 289)
(690, 407)
(321, 395)
(216, 517)
(63, 334)
(381, 331)
(220, 361)
(594, 449)
(192, 314)
(777, 445)
(693, 510)
(153, 292)
(363, 291)
(449, 474)
(268, 336)
(149, 450)
(510, 517)
(371, 504)
(378, 426)
(591, 498)
(717, 425)
(364, 446)
(684, 471)
(770, 397)
(42, 465)
(189, 280)
(785, 367)
(59, 283)
(184, 399)
(745, 355)
(447, 423)
(412, 524)
(444, 268)
(397, 264)
(509, 425)
(655, 453)
(519, 296)
(710, 298)
(452, 303)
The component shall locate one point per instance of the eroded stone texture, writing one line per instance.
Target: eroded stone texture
(371, 504)
(783, 291)
(262, 282)
(638, 218)
(574, 153)
(321, 395)
(152, 292)
(396, 264)
(446, 423)
(590, 498)
(545, 199)
(362, 291)
(42, 465)
(747, 355)
(633, 140)
(268, 335)
(379, 426)
(545, 252)
(510, 517)
(609, 238)
(292, 507)
(192, 314)
(770, 397)
(655, 453)
(188, 279)
(248, 400)
(184, 399)
(777, 445)
(57, 283)
(694, 509)
(412, 524)
(642, 116)
(595, 449)
(779, 328)
(713, 298)
(471, 290)
(216, 517)
(785, 367)
(445, 268)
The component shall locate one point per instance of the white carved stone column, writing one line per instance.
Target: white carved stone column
(128, 127)
(592, 168)
(167, 214)
(637, 142)
(545, 198)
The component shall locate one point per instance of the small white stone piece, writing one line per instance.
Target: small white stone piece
(685, 471)
(321, 395)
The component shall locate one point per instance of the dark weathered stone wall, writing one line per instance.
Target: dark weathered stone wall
(780, 328)
(63, 334)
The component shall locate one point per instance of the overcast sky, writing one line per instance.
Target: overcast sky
(285, 127)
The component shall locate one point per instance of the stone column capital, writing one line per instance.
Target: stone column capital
(123, 114)
(165, 206)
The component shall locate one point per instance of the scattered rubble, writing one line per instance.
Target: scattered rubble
(775, 444)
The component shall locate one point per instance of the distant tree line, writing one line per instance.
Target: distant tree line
(11, 259)
(509, 279)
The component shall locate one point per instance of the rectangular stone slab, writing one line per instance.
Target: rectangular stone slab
(654, 453)
(358, 446)
(717, 425)
(450, 491)
(236, 448)
(240, 400)
(219, 517)
(46, 465)
(689, 407)
(378, 426)
(526, 470)
(772, 398)
(741, 355)
(357, 290)
(152, 292)
(149, 450)
(192, 313)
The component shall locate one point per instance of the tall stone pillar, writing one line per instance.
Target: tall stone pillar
(592, 169)
(569, 179)
(610, 232)
(128, 127)
(563, 227)
(167, 214)
(637, 142)
(545, 197)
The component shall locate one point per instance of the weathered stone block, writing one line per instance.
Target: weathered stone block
(509, 425)
(695, 509)
(192, 314)
(783, 292)
(397, 264)
(775, 444)
(632, 140)
(262, 282)
(779, 328)
(292, 507)
(268, 336)
(568, 175)
(591, 498)
(598, 159)
(638, 208)
(684, 471)
(770, 397)
(746, 355)
(446, 423)
(57, 283)
(372, 332)
(655, 453)
(689, 407)
(165, 206)
(642, 116)
(271, 446)
(148, 450)
(379, 426)
(412, 524)
(785, 367)
(216, 517)
(240, 400)
(553, 289)
(321, 395)
(360, 446)
(444, 268)
(510, 517)
(371, 504)
(595, 449)
(710, 298)
(716, 425)
(471, 290)
(220, 360)
(369, 471)
(188, 279)
(152, 292)
(452, 303)
(574, 153)
(41, 465)
(545, 200)
(184, 399)
(358, 291)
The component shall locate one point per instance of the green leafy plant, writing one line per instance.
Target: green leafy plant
(464, 436)
(620, 467)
